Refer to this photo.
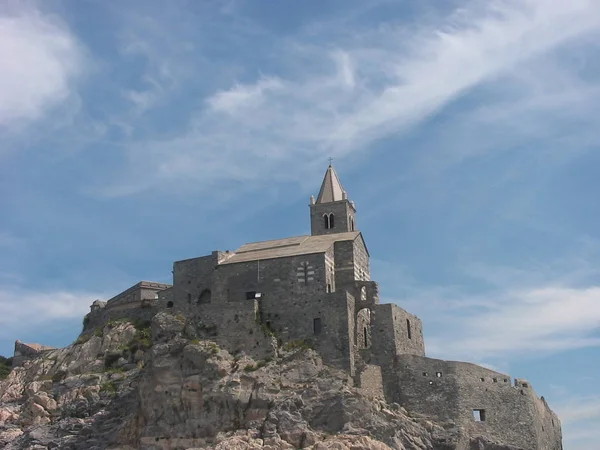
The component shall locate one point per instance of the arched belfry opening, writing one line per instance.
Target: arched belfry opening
(331, 220)
(326, 221)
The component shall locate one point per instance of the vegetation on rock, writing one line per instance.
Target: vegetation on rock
(5, 367)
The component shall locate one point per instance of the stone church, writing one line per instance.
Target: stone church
(317, 290)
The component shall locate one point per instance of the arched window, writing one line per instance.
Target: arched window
(331, 220)
(326, 221)
(328, 288)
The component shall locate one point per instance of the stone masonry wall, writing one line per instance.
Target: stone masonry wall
(447, 390)
(193, 280)
(344, 265)
(293, 298)
(343, 212)
(362, 269)
(390, 333)
(234, 327)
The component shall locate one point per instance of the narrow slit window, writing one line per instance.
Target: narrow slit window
(366, 336)
(479, 415)
(408, 329)
(317, 326)
(189, 297)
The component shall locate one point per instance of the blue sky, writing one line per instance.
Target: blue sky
(137, 133)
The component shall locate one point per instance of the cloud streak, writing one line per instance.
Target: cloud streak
(338, 98)
(41, 61)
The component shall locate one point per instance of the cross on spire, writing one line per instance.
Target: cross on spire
(330, 160)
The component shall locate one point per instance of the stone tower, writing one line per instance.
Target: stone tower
(332, 212)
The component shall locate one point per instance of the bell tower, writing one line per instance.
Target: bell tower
(331, 212)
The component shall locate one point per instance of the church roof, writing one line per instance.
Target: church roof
(293, 246)
(331, 188)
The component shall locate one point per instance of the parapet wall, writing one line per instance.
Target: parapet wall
(481, 400)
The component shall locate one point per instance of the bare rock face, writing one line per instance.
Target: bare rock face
(116, 389)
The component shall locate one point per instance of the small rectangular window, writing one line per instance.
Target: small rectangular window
(250, 295)
(317, 325)
(479, 415)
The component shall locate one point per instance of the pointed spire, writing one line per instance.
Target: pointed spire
(331, 188)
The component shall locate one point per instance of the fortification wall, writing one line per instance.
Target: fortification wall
(395, 332)
(99, 318)
(136, 296)
(481, 400)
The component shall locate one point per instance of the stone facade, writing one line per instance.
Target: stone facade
(317, 290)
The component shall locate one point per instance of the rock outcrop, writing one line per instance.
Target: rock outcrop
(136, 386)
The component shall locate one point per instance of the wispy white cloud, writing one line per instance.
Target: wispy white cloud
(242, 98)
(513, 312)
(41, 60)
(544, 320)
(337, 98)
(21, 307)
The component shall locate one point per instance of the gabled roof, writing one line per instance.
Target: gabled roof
(331, 188)
(293, 246)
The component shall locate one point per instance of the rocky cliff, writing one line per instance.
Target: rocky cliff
(153, 386)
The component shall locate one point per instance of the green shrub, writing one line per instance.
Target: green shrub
(109, 388)
(86, 321)
(5, 367)
(114, 322)
(252, 367)
(111, 359)
(59, 376)
(267, 330)
(82, 339)
(299, 344)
